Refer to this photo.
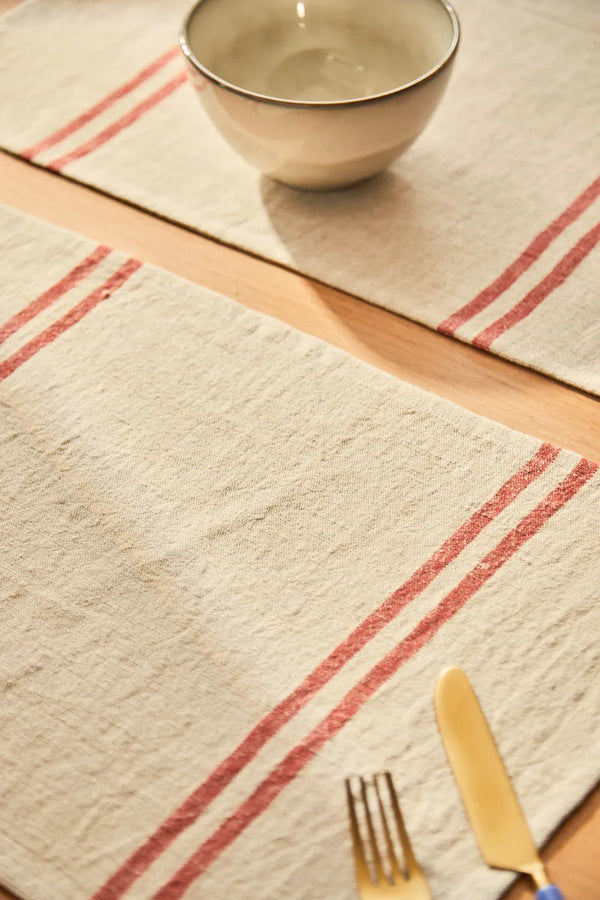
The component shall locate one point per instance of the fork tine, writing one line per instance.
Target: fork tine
(397, 873)
(360, 863)
(378, 865)
(410, 859)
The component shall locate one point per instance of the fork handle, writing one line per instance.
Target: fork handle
(551, 892)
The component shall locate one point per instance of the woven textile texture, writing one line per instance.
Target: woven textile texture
(234, 560)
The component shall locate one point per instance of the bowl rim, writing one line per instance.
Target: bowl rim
(318, 104)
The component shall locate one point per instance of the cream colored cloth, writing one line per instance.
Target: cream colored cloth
(199, 507)
(498, 200)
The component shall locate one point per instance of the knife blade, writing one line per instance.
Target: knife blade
(489, 798)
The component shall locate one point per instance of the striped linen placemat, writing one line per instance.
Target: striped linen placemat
(487, 229)
(234, 560)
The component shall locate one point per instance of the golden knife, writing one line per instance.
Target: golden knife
(489, 798)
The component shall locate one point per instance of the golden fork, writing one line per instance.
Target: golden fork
(378, 879)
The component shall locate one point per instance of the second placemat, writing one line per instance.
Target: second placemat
(234, 560)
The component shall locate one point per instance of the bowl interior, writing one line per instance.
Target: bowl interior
(320, 50)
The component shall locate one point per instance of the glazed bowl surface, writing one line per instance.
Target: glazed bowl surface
(320, 94)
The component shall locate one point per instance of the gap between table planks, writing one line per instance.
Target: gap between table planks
(486, 384)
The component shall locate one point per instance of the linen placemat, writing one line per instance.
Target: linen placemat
(486, 229)
(234, 560)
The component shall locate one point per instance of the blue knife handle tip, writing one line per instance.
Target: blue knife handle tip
(550, 893)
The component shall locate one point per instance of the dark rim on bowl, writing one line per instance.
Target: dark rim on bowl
(318, 104)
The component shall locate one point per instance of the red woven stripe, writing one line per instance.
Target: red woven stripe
(523, 262)
(124, 122)
(541, 291)
(98, 108)
(8, 366)
(57, 290)
(296, 760)
(187, 813)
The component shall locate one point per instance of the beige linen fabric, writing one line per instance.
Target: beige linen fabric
(515, 143)
(199, 506)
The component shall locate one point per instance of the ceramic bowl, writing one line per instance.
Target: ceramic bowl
(320, 94)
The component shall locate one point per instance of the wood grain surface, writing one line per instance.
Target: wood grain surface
(515, 396)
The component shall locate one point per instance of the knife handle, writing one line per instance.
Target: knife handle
(549, 893)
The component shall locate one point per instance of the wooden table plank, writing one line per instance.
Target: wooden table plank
(572, 855)
(492, 387)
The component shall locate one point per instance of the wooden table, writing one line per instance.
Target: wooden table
(477, 380)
